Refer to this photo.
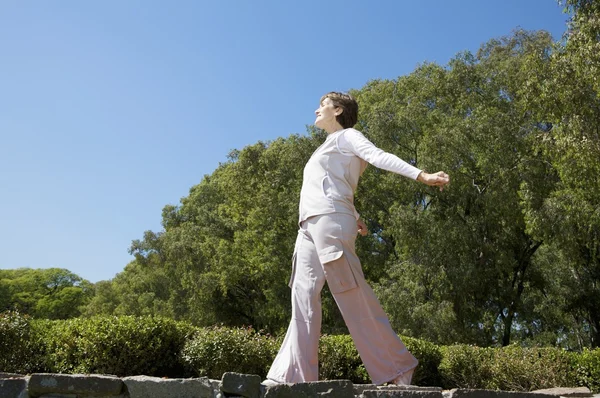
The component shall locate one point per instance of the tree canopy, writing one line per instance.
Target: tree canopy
(51, 293)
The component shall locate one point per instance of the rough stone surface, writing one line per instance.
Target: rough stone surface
(285, 391)
(216, 384)
(156, 387)
(4, 375)
(80, 396)
(468, 393)
(411, 388)
(241, 384)
(330, 389)
(359, 388)
(58, 396)
(403, 393)
(13, 388)
(566, 391)
(76, 384)
(237, 385)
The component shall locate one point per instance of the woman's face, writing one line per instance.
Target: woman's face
(326, 114)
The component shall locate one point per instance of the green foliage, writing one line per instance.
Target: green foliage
(339, 359)
(510, 368)
(216, 350)
(140, 290)
(465, 260)
(123, 346)
(466, 366)
(525, 369)
(51, 293)
(20, 348)
(588, 369)
(128, 345)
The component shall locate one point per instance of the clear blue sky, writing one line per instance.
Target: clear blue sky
(110, 110)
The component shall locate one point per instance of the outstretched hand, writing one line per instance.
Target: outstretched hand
(439, 179)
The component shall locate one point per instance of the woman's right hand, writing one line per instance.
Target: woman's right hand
(439, 179)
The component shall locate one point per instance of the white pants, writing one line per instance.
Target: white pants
(324, 251)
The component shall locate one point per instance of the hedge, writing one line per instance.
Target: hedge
(216, 350)
(511, 368)
(123, 346)
(154, 346)
(20, 344)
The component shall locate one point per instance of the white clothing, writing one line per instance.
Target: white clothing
(332, 172)
(325, 251)
(381, 350)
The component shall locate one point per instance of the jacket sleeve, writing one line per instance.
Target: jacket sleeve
(354, 142)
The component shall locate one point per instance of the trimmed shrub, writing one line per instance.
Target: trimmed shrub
(516, 368)
(127, 345)
(122, 346)
(20, 350)
(587, 369)
(339, 359)
(511, 368)
(215, 350)
(466, 366)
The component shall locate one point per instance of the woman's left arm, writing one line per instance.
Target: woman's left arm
(353, 141)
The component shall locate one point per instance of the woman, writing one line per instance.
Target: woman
(324, 251)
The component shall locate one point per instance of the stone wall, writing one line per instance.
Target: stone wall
(45, 385)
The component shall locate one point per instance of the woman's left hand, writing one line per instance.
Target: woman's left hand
(361, 227)
(439, 179)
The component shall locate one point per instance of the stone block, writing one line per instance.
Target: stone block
(4, 375)
(80, 396)
(76, 384)
(359, 388)
(469, 393)
(396, 392)
(407, 388)
(285, 391)
(58, 396)
(13, 388)
(216, 384)
(241, 384)
(566, 392)
(330, 389)
(156, 387)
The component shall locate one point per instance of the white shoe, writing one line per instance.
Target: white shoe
(270, 383)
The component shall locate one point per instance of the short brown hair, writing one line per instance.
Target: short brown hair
(349, 106)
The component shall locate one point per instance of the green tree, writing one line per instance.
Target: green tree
(567, 97)
(52, 293)
(464, 259)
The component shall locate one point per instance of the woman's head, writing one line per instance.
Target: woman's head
(345, 109)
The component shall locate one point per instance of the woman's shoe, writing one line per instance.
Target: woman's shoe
(404, 379)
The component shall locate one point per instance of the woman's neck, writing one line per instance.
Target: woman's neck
(333, 128)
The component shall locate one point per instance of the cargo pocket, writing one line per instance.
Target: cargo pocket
(338, 271)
